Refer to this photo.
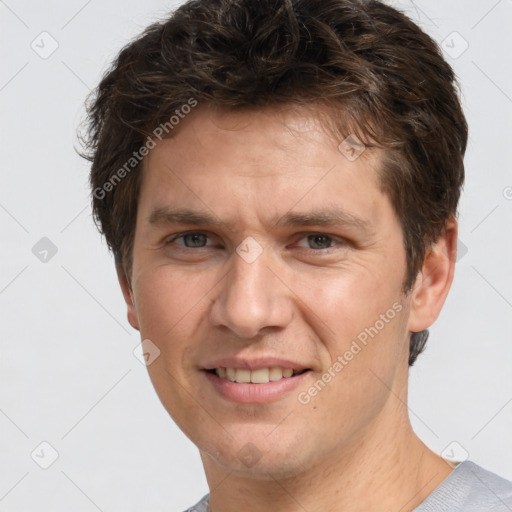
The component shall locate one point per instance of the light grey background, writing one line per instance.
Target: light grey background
(68, 373)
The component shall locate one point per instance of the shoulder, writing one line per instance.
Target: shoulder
(200, 506)
(470, 488)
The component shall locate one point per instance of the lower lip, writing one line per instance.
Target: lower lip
(249, 393)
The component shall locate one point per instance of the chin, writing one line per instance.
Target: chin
(265, 469)
(260, 458)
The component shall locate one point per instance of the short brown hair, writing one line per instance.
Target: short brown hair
(365, 60)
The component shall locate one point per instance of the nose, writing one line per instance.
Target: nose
(252, 299)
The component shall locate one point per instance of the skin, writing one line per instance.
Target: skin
(298, 300)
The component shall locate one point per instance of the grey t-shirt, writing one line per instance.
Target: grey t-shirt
(468, 488)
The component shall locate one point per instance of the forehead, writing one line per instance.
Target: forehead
(271, 161)
(250, 132)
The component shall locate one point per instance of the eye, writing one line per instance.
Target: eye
(191, 240)
(318, 241)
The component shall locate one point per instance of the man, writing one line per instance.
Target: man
(278, 181)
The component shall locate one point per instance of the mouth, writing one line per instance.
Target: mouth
(258, 376)
(257, 385)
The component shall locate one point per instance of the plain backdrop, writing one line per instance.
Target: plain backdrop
(69, 376)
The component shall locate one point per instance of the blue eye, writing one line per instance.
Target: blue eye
(319, 241)
(195, 240)
(315, 242)
(192, 240)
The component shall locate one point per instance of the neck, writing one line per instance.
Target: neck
(387, 468)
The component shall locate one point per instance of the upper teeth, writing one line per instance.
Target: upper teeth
(260, 376)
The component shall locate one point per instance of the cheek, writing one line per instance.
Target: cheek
(169, 302)
(362, 324)
(171, 307)
(344, 302)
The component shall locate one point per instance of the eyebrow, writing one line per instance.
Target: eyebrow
(182, 216)
(321, 217)
(325, 217)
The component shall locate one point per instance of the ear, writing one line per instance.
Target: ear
(435, 279)
(128, 297)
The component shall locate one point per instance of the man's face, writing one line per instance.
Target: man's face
(261, 246)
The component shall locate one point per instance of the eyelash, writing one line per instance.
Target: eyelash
(332, 238)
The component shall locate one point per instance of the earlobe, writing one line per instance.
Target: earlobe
(128, 297)
(434, 281)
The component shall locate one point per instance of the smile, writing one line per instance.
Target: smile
(257, 386)
(259, 376)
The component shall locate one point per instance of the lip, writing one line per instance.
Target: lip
(254, 363)
(248, 393)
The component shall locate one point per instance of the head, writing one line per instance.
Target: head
(325, 139)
